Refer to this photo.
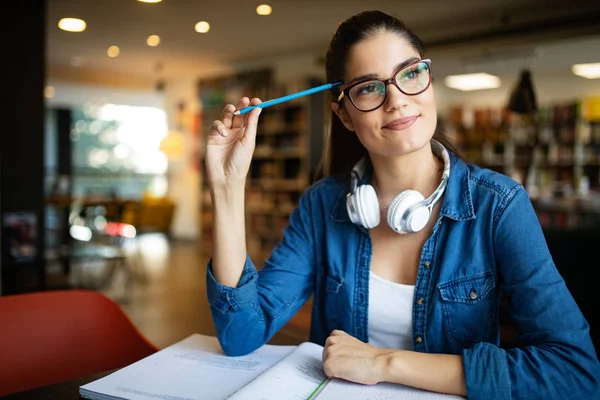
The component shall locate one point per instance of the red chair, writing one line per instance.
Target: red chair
(52, 337)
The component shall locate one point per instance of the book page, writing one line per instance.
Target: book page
(195, 368)
(338, 389)
(295, 377)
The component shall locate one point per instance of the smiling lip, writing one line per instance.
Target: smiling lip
(401, 123)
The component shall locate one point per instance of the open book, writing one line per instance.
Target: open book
(197, 368)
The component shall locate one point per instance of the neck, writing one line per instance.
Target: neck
(420, 171)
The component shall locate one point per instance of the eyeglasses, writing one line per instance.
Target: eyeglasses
(370, 94)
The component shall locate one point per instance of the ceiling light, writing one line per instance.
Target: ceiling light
(263, 9)
(72, 24)
(589, 71)
(470, 82)
(153, 40)
(149, 1)
(49, 92)
(202, 27)
(113, 51)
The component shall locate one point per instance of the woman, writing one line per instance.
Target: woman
(407, 255)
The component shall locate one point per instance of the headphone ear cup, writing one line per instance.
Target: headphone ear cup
(396, 217)
(417, 219)
(367, 206)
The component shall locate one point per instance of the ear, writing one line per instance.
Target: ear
(343, 116)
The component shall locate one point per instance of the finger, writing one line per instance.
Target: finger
(218, 128)
(329, 369)
(252, 120)
(337, 332)
(331, 340)
(238, 120)
(255, 101)
(228, 115)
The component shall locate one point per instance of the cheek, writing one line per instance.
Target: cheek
(366, 123)
(367, 129)
(428, 109)
(357, 120)
(426, 102)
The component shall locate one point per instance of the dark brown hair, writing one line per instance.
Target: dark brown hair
(343, 149)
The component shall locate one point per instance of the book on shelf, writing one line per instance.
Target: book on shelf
(197, 368)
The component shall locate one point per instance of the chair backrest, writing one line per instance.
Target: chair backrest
(55, 336)
(156, 214)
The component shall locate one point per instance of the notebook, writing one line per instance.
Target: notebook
(197, 369)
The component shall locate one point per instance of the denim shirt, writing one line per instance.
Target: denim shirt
(487, 241)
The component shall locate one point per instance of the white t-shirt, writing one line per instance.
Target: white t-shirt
(390, 314)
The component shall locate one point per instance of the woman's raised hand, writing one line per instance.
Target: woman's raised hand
(230, 144)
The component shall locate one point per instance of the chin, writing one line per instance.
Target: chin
(388, 143)
(404, 142)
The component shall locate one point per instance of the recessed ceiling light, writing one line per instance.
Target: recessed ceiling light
(470, 82)
(589, 71)
(202, 27)
(264, 9)
(72, 24)
(149, 1)
(49, 92)
(153, 40)
(113, 51)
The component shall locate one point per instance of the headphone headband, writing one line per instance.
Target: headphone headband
(439, 151)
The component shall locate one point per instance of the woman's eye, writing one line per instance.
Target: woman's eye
(367, 89)
(412, 73)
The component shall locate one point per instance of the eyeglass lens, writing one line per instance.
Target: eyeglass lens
(371, 94)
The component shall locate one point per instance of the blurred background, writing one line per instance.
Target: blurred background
(107, 104)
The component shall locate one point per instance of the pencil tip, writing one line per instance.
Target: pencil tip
(237, 112)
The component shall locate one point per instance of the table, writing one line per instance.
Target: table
(65, 390)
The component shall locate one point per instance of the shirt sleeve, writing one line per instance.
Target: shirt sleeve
(247, 316)
(555, 358)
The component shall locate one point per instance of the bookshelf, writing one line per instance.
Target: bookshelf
(557, 157)
(289, 144)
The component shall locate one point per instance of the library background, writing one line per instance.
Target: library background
(103, 179)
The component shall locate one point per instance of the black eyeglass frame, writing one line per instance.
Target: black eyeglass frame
(387, 82)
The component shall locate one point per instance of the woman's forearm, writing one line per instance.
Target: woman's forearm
(229, 233)
(442, 373)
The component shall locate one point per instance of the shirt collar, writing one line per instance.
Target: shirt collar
(457, 202)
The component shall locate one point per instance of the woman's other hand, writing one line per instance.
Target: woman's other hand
(348, 358)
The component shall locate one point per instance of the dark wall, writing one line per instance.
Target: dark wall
(22, 146)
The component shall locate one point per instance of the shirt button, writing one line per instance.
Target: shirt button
(419, 301)
(427, 264)
(473, 295)
(419, 339)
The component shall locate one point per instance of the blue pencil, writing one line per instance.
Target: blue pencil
(288, 97)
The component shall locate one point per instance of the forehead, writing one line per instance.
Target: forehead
(379, 54)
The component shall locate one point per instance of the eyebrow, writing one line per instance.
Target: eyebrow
(375, 76)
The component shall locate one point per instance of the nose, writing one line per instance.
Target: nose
(395, 98)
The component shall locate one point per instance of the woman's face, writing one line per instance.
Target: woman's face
(403, 123)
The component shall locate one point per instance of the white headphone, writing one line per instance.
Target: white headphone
(409, 211)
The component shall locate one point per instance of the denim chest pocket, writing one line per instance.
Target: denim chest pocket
(333, 288)
(468, 307)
